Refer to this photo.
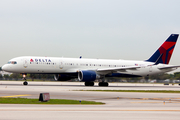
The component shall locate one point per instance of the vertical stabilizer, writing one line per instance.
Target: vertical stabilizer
(163, 54)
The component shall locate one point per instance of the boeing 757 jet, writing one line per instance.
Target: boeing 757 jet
(89, 70)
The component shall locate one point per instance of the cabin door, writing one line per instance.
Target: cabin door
(61, 64)
(25, 63)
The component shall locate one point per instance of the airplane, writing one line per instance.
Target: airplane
(89, 70)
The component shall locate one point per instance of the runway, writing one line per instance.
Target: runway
(119, 105)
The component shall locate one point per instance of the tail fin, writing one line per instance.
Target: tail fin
(163, 54)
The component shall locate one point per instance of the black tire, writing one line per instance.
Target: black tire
(103, 83)
(86, 83)
(106, 84)
(100, 83)
(25, 83)
(89, 83)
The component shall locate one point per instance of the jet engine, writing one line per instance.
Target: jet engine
(87, 75)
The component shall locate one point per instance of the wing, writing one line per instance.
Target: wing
(117, 69)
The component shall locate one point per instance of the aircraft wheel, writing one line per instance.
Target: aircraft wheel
(89, 83)
(86, 83)
(25, 83)
(103, 83)
(100, 83)
(106, 84)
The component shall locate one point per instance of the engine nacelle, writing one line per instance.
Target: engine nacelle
(87, 75)
(61, 77)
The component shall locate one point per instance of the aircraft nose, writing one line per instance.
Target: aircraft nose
(4, 67)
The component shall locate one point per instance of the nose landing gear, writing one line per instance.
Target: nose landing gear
(24, 78)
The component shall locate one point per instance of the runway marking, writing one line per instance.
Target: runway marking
(15, 96)
(155, 98)
(84, 110)
(155, 102)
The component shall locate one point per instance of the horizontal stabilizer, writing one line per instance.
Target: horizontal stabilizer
(169, 67)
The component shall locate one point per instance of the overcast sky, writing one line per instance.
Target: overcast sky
(107, 29)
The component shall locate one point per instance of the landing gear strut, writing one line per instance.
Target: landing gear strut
(89, 83)
(24, 78)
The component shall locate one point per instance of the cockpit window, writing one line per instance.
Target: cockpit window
(12, 62)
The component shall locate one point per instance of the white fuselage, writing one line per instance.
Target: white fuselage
(55, 65)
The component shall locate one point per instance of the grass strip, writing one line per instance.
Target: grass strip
(51, 101)
(145, 91)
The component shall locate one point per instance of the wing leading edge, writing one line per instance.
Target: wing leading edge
(118, 68)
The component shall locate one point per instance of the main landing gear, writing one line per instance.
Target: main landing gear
(103, 84)
(100, 84)
(24, 78)
(89, 83)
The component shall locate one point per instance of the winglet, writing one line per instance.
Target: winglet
(163, 54)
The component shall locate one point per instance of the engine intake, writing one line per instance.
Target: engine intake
(87, 75)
